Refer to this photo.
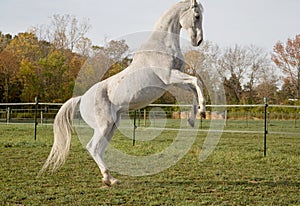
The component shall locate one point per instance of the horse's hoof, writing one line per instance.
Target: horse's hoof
(191, 122)
(115, 181)
(110, 182)
(203, 115)
(107, 182)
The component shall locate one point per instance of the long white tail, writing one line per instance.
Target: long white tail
(62, 136)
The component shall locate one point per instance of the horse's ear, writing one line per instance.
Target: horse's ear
(194, 3)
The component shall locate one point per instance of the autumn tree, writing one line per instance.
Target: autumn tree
(259, 72)
(287, 90)
(84, 47)
(106, 61)
(202, 63)
(53, 67)
(116, 50)
(242, 70)
(287, 58)
(195, 60)
(9, 87)
(25, 46)
(4, 40)
(42, 62)
(9, 84)
(75, 63)
(65, 32)
(26, 49)
(267, 84)
(117, 53)
(29, 76)
(232, 67)
(38, 69)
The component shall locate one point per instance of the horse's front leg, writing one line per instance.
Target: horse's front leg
(201, 99)
(193, 84)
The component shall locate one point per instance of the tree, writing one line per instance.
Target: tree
(27, 50)
(105, 62)
(233, 89)
(202, 63)
(4, 40)
(64, 32)
(75, 63)
(9, 85)
(116, 50)
(242, 69)
(287, 58)
(260, 72)
(19, 64)
(84, 47)
(287, 90)
(29, 76)
(54, 67)
(267, 86)
(25, 46)
(195, 60)
(233, 65)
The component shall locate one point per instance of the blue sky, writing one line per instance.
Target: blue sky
(226, 22)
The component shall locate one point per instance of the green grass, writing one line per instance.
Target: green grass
(236, 173)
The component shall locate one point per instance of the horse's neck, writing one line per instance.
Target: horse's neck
(163, 46)
(169, 22)
(166, 31)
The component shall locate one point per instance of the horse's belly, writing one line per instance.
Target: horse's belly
(144, 97)
(136, 91)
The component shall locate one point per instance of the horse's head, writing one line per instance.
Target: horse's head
(191, 21)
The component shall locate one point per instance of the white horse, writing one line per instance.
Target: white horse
(156, 66)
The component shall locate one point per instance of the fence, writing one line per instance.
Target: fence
(280, 119)
(27, 113)
(254, 119)
(237, 117)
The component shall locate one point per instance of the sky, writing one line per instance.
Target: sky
(226, 22)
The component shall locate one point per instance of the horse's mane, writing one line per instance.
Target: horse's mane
(189, 1)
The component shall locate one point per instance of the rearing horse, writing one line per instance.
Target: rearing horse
(156, 66)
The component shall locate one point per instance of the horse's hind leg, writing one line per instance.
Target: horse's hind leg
(98, 144)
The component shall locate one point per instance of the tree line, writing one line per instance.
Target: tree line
(45, 61)
(49, 60)
(248, 74)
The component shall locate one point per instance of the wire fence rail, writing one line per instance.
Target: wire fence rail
(280, 119)
(262, 119)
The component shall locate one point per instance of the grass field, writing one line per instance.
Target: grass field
(236, 173)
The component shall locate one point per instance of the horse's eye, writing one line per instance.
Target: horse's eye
(197, 16)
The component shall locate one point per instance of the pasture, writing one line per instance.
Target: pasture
(236, 173)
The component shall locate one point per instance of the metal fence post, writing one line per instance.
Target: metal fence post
(145, 117)
(265, 126)
(35, 117)
(134, 128)
(42, 117)
(7, 115)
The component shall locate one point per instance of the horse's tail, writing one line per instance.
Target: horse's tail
(62, 136)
